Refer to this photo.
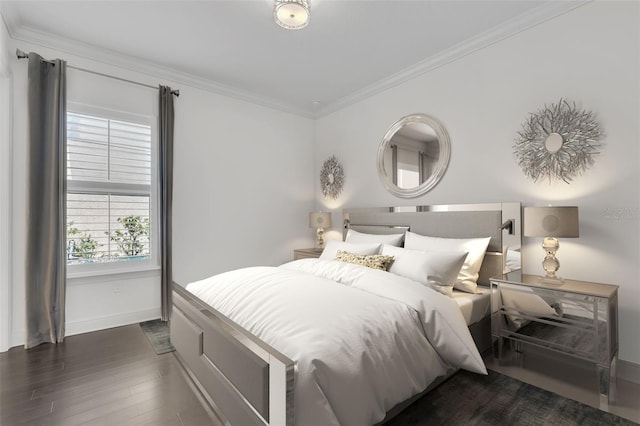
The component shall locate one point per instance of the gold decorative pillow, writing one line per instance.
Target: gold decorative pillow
(375, 261)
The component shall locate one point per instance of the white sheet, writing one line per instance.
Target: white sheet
(474, 307)
(363, 340)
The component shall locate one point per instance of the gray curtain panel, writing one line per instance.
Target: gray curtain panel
(166, 195)
(46, 265)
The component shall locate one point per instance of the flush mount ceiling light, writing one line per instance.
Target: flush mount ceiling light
(291, 14)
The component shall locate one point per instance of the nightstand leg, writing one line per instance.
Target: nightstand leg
(497, 348)
(517, 352)
(607, 382)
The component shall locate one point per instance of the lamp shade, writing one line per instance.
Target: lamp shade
(319, 220)
(551, 222)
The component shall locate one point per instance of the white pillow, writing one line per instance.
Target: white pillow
(511, 260)
(436, 269)
(332, 247)
(476, 247)
(361, 237)
(525, 301)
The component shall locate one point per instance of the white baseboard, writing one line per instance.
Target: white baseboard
(94, 324)
(17, 339)
(629, 371)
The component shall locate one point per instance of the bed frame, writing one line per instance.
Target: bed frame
(247, 382)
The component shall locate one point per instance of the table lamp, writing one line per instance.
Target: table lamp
(320, 220)
(550, 223)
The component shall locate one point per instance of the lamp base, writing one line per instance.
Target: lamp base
(551, 280)
(550, 262)
(319, 239)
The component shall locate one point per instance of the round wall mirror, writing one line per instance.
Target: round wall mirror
(413, 155)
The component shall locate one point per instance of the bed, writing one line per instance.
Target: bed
(326, 377)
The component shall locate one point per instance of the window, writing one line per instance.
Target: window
(110, 197)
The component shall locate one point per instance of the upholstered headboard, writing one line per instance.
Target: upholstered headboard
(499, 221)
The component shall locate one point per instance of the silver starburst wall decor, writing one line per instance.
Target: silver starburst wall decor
(331, 178)
(557, 142)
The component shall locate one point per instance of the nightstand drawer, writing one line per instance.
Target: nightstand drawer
(306, 253)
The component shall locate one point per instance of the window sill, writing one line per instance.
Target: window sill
(142, 271)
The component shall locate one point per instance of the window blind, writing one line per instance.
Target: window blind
(102, 149)
(109, 167)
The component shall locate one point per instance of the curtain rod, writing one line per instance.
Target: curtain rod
(22, 55)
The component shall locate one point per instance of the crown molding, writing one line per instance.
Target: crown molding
(509, 29)
(152, 69)
(532, 18)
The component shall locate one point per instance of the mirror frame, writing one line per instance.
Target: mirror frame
(443, 162)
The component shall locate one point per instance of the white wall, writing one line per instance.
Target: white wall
(242, 191)
(589, 55)
(5, 188)
(243, 185)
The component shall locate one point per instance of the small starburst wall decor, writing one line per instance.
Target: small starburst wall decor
(331, 178)
(557, 142)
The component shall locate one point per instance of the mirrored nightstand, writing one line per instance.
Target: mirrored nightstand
(576, 318)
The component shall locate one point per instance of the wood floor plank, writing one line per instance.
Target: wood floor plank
(26, 409)
(81, 381)
(162, 417)
(69, 406)
(87, 379)
(73, 367)
(111, 377)
(110, 410)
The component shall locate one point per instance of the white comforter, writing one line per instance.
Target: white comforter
(363, 340)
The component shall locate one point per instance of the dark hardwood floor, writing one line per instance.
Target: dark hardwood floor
(113, 378)
(109, 377)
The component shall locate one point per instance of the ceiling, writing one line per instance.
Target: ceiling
(350, 48)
